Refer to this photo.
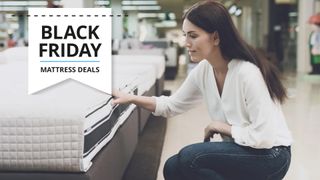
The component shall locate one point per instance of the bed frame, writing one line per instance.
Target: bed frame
(160, 85)
(155, 90)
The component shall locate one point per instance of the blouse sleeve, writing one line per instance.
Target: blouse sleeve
(262, 112)
(186, 97)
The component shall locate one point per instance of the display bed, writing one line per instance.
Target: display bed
(61, 128)
(70, 130)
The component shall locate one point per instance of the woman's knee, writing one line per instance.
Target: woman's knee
(170, 170)
(178, 166)
(186, 157)
(192, 167)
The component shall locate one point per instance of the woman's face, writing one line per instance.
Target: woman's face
(199, 43)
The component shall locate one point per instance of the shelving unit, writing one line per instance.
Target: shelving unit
(8, 24)
(3, 31)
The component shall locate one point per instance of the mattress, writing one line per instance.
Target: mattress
(143, 76)
(60, 128)
(152, 51)
(109, 164)
(157, 61)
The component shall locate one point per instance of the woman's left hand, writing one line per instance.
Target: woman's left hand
(216, 127)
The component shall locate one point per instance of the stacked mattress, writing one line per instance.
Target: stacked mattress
(143, 76)
(155, 62)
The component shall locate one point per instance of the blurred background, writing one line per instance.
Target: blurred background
(287, 32)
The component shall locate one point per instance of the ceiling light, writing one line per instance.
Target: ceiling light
(172, 16)
(232, 9)
(23, 3)
(139, 3)
(166, 24)
(102, 3)
(238, 12)
(147, 15)
(133, 8)
(13, 8)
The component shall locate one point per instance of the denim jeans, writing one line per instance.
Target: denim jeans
(227, 161)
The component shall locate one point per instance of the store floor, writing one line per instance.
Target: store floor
(302, 111)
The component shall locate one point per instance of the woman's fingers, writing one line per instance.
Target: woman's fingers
(207, 134)
(114, 102)
(120, 97)
(115, 93)
(116, 97)
(207, 137)
(206, 140)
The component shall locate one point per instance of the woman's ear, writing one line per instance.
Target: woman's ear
(215, 37)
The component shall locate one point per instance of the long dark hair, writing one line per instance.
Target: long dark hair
(212, 16)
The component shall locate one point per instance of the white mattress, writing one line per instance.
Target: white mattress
(141, 75)
(157, 61)
(153, 51)
(45, 131)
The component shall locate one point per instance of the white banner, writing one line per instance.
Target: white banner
(69, 43)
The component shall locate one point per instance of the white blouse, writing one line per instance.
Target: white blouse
(256, 120)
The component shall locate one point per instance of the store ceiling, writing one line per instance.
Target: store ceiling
(176, 6)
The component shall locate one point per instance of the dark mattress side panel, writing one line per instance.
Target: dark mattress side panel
(102, 131)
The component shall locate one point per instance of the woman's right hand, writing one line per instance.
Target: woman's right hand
(121, 97)
(146, 102)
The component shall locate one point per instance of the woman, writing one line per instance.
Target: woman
(243, 94)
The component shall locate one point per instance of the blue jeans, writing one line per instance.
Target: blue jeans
(227, 161)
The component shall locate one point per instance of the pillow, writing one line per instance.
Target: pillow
(16, 54)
